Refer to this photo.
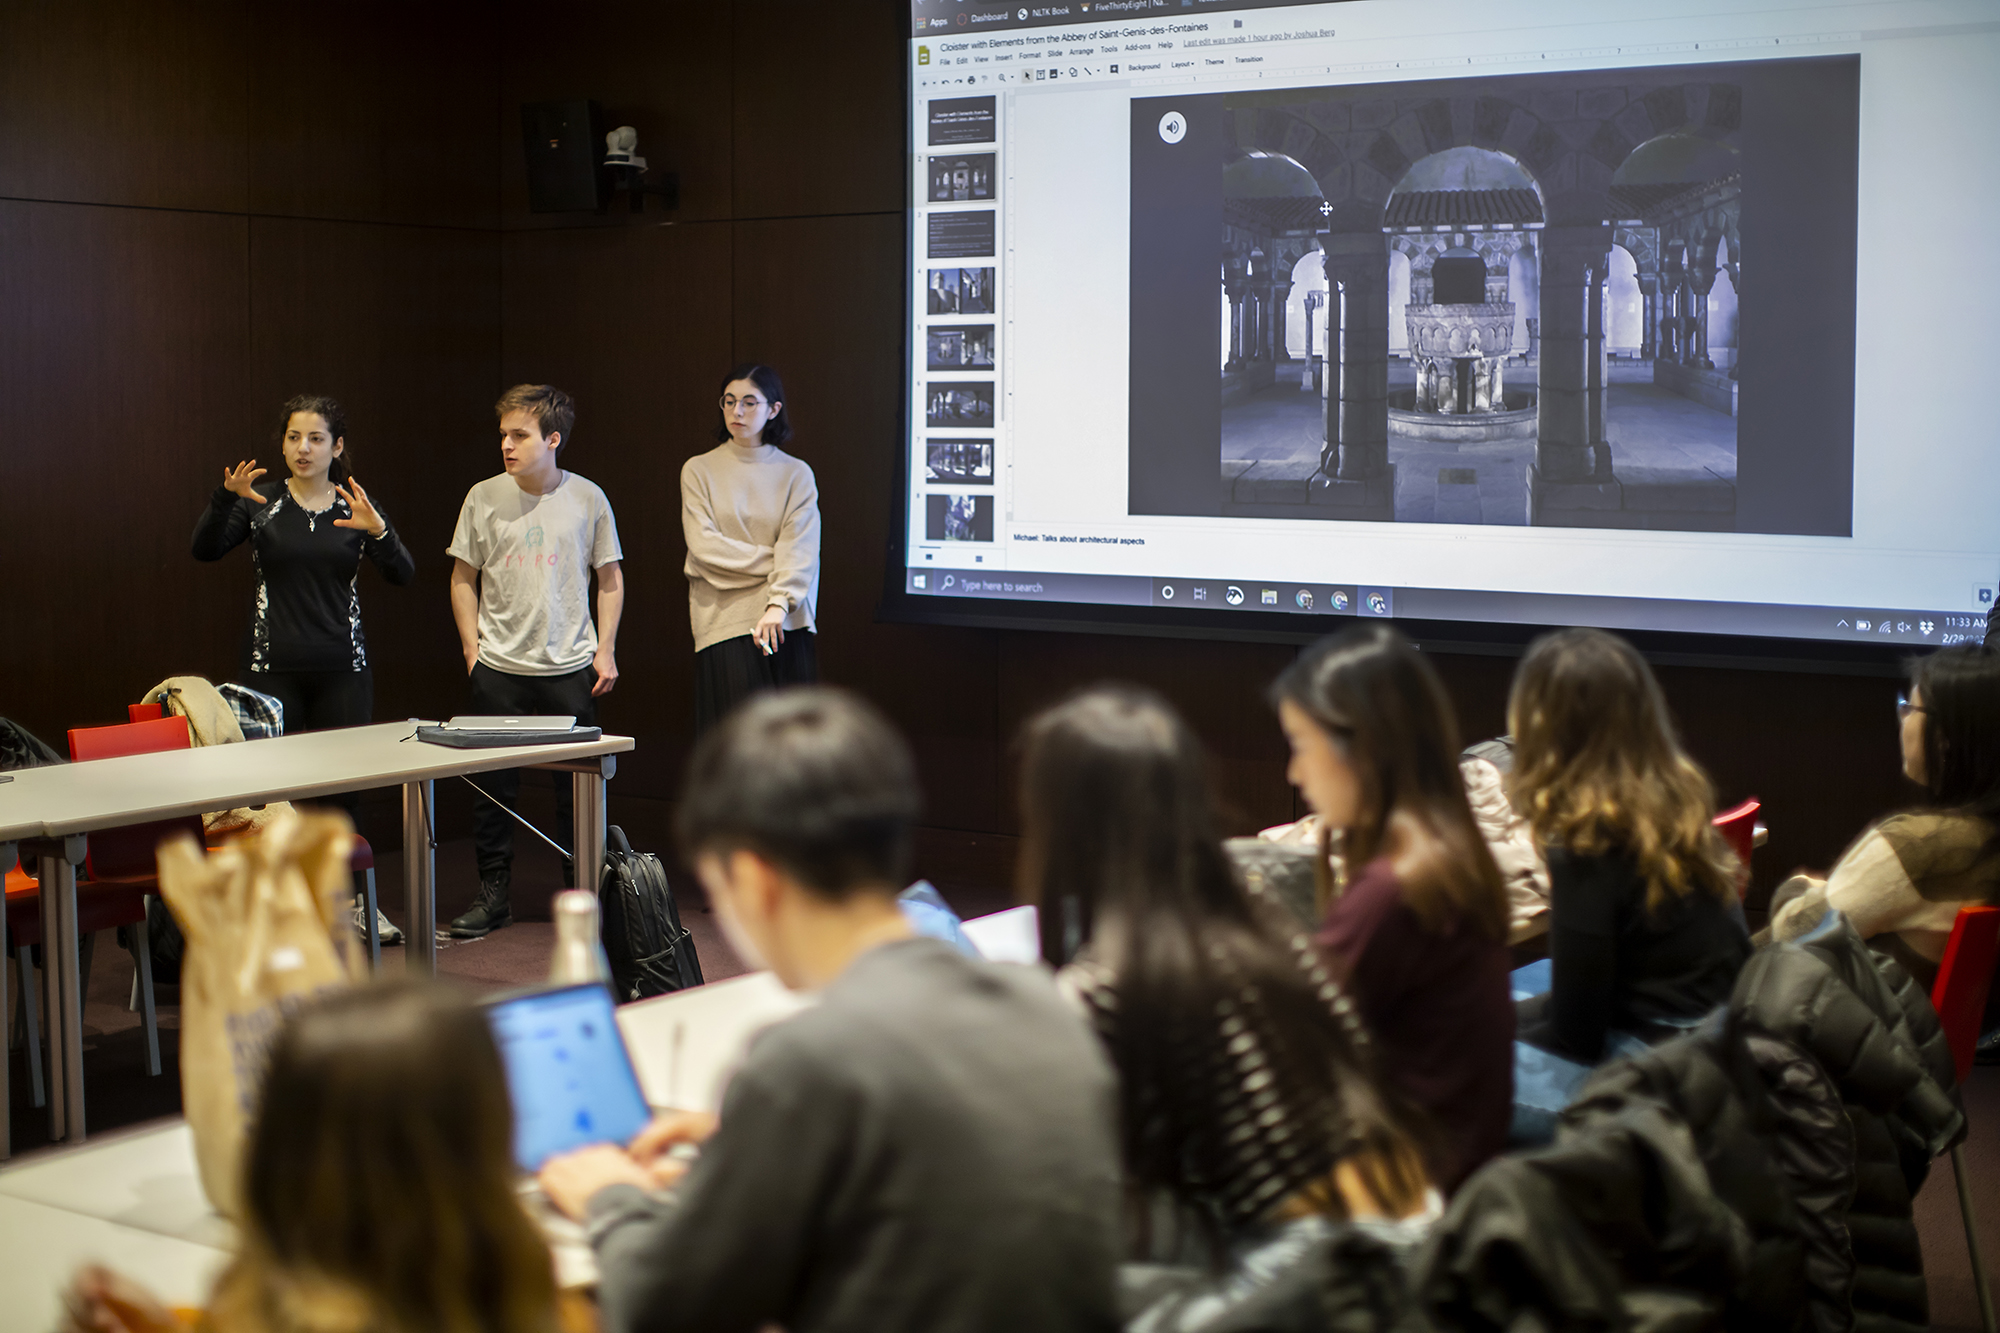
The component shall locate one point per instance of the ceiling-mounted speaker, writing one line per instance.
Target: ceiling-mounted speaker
(564, 142)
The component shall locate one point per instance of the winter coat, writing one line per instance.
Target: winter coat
(1874, 1035)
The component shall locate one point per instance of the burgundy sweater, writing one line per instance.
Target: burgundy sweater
(1441, 1012)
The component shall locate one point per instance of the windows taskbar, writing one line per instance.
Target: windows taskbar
(1879, 625)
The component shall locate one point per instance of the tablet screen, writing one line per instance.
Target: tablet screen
(568, 1072)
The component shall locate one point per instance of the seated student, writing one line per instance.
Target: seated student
(1245, 1093)
(1645, 934)
(378, 1188)
(1904, 880)
(928, 1147)
(1419, 929)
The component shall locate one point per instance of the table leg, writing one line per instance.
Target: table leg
(59, 947)
(588, 833)
(419, 879)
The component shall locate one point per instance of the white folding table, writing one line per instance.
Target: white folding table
(62, 804)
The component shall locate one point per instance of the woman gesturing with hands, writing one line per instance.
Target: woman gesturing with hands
(308, 535)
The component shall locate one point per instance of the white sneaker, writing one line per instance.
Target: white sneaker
(385, 929)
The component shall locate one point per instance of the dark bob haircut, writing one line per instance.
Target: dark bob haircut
(779, 428)
(813, 780)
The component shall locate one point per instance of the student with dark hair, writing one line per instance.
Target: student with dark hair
(1644, 932)
(1903, 881)
(1416, 919)
(528, 544)
(1246, 1094)
(927, 1148)
(307, 539)
(378, 1186)
(750, 513)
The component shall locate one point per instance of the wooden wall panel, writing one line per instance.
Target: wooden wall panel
(124, 102)
(374, 111)
(665, 70)
(634, 324)
(819, 112)
(123, 343)
(402, 325)
(820, 299)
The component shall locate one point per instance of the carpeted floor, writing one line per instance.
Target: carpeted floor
(973, 871)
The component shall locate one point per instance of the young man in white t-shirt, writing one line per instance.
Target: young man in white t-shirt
(527, 543)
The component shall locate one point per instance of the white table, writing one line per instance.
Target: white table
(63, 804)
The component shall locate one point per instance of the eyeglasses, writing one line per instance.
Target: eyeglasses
(750, 404)
(1904, 708)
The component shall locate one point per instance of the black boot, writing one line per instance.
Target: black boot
(488, 913)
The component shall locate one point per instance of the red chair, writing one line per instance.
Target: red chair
(119, 876)
(1740, 829)
(1959, 995)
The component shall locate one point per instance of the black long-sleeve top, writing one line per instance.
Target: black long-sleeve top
(307, 613)
(1615, 965)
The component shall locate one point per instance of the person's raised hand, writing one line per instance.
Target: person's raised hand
(238, 480)
(101, 1301)
(668, 1131)
(571, 1178)
(361, 514)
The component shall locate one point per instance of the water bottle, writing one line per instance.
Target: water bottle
(579, 952)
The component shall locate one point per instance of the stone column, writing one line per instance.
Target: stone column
(1235, 325)
(1571, 255)
(1281, 294)
(1698, 344)
(1359, 262)
(1649, 315)
(1596, 361)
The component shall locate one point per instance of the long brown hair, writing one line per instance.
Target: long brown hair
(378, 1186)
(1380, 702)
(1119, 852)
(1597, 767)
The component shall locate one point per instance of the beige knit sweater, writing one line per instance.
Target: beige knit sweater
(751, 518)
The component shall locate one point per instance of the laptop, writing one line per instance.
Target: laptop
(568, 1072)
(487, 732)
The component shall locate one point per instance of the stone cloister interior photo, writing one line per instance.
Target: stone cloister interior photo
(1508, 300)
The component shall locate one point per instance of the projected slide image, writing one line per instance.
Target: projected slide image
(1522, 299)
(960, 234)
(959, 120)
(962, 462)
(959, 347)
(959, 405)
(960, 178)
(958, 518)
(960, 291)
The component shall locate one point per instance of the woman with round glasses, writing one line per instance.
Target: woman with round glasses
(750, 512)
(1904, 879)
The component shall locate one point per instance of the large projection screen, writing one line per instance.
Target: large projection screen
(1245, 317)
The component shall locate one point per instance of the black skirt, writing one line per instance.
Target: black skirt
(727, 673)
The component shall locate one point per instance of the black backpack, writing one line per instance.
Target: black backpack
(650, 951)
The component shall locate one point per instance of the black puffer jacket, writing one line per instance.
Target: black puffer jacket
(1718, 1089)
(1873, 1034)
(1614, 1226)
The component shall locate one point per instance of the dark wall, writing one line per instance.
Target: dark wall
(205, 210)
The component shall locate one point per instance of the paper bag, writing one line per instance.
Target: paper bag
(267, 926)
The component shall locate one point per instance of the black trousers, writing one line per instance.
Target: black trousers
(500, 694)
(727, 673)
(320, 701)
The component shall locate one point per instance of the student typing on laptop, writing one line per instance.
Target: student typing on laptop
(930, 1147)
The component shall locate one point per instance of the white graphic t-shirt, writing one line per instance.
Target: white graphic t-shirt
(535, 554)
